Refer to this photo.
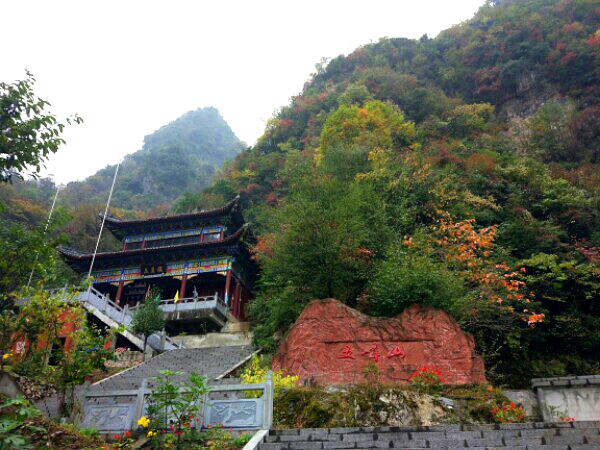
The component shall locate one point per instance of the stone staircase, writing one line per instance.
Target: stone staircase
(517, 436)
(114, 315)
(213, 363)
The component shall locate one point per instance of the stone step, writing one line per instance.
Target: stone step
(210, 362)
(522, 436)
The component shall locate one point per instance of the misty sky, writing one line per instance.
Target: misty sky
(128, 67)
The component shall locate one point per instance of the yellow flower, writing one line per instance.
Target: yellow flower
(151, 433)
(6, 355)
(143, 422)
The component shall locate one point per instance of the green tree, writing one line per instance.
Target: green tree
(550, 134)
(321, 244)
(466, 119)
(39, 320)
(148, 318)
(24, 249)
(29, 133)
(569, 291)
(405, 277)
(374, 125)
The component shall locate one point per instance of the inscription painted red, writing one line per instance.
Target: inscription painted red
(331, 343)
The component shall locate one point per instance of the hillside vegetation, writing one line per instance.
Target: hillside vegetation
(459, 172)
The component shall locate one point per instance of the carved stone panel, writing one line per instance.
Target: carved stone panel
(108, 417)
(241, 413)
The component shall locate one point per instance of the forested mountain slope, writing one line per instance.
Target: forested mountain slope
(180, 156)
(459, 172)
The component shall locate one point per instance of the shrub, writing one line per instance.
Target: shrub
(508, 413)
(405, 277)
(241, 440)
(427, 380)
(254, 373)
(92, 432)
(15, 416)
(172, 406)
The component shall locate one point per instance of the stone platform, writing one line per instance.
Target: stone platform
(220, 339)
(516, 436)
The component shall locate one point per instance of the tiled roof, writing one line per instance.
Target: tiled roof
(77, 259)
(114, 223)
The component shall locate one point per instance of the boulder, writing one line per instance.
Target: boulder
(331, 343)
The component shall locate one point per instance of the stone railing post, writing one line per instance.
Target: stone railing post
(148, 353)
(163, 339)
(79, 411)
(139, 404)
(268, 401)
(204, 409)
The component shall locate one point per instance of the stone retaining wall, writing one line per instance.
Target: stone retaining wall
(517, 436)
(577, 397)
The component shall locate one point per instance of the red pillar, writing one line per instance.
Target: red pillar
(243, 297)
(227, 284)
(183, 284)
(119, 292)
(236, 299)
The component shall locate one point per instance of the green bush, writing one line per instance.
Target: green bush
(405, 277)
(16, 416)
(241, 440)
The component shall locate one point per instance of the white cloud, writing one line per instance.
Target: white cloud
(128, 67)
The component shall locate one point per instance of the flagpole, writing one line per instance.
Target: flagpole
(37, 255)
(103, 220)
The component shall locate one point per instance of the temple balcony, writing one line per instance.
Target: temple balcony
(188, 312)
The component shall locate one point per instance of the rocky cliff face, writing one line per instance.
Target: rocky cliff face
(331, 343)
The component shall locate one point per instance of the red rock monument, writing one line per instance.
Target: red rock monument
(331, 343)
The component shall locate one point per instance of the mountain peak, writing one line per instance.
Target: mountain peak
(180, 156)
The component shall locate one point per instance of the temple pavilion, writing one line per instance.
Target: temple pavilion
(199, 264)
